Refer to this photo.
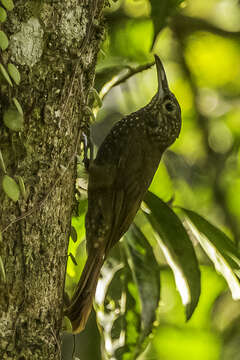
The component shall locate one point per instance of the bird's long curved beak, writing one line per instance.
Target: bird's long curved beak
(162, 79)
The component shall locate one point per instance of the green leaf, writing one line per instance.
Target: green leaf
(13, 119)
(82, 207)
(161, 10)
(114, 306)
(73, 234)
(146, 275)
(8, 4)
(219, 248)
(10, 188)
(18, 106)
(5, 74)
(78, 250)
(73, 259)
(22, 187)
(3, 14)
(3, 40)
(127, 297)
(2, 270)
(14, 73)
(96, 96)
(2, 163)
(178, 250)
(88, 111)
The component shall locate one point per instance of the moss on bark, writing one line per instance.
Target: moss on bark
(47, 44)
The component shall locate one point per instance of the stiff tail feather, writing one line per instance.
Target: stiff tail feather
(82, 300)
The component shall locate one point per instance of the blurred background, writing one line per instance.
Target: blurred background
(199, 44)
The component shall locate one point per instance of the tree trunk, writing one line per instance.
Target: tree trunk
(54, 44)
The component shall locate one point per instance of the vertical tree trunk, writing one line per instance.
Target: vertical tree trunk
(54, 44)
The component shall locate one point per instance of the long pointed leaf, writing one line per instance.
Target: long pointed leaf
(127, 297)
(147, 277)
(220, 249)
(178, 250)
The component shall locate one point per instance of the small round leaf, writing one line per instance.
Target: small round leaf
(18, 106)
(10, 188)
(8, 4)
(13, 119)
(3, 14)
(14, 73)
(3, 40)
(5, 74)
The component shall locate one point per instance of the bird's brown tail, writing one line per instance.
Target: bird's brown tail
(81, 303)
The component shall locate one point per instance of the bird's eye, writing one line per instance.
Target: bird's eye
(169, 106)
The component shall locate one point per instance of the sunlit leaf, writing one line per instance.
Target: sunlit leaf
(147, 278)
(78, 249)
(219, 248)
(14, 73)
(13, 119)
(127, 297)
(178, 250)
(111, 305)
(73, 259)
(73, 234)
(5, 74)
(3, 14)
(10, 188)
(3, 40)
(8, 4)
(18, 106)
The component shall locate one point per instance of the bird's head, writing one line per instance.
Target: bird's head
(164, 113)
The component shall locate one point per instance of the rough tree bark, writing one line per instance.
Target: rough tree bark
(54, 44)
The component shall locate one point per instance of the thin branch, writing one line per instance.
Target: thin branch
(122, 78)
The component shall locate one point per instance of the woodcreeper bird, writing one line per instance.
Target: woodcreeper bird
(118, 179)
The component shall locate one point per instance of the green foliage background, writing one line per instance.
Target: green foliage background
(199, 44)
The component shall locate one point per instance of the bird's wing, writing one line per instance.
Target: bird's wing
(128, 189)
(116, 189)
